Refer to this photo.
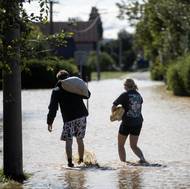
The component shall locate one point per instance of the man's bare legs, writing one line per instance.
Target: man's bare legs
(80, 149)
(68, 147)
(133, 143)
(121, 148)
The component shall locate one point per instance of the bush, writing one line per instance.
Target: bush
(41, 73)
(174, 80)
(157, 71)
(185, 73)
(178, 76)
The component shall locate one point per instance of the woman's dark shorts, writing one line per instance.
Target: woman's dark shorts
(126, 129)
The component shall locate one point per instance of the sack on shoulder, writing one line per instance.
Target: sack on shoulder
(75, 85)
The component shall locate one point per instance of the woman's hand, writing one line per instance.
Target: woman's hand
(114, 107)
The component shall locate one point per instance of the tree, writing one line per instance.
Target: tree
(12, 124)
(162, 30)
(162, 27)
(126, 48)
(121, 50)
(105, 60)
(13, 32)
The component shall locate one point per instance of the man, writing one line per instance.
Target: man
(74, 115)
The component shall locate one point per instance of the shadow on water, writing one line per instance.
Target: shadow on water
(129, 163)
(91, 167)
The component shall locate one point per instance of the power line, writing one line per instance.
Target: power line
(89, 27)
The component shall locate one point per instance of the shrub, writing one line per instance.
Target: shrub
(185, 73)
(178, 76)
(41, 73)
(157, 71)
(174, 80)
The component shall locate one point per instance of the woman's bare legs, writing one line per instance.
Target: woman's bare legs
(133, 143)
(121, 149)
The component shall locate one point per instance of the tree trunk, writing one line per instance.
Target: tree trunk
(12, 116)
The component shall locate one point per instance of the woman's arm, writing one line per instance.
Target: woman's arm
(114, 107)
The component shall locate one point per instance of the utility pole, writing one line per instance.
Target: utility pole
(98, 60)
(51, 17)
(120, 53)
(12, 113)
(51, 3)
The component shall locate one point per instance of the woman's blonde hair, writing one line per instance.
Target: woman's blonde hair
(130, 84)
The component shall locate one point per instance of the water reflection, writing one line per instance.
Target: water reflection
(75, 179)
(165, 140)
(129, 178)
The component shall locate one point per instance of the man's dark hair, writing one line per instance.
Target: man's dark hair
(62, 74)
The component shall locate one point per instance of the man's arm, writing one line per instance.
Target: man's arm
(53, 107)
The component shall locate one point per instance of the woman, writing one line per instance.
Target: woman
(132, 120)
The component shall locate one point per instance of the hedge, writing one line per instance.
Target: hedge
(178, 76)
(41, 73)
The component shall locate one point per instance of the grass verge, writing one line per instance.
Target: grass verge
(108, 75)
(7, 181)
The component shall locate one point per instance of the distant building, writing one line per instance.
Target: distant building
(87, 34)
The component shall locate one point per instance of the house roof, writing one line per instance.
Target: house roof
(88, 31)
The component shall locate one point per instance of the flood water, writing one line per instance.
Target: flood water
(164, 140)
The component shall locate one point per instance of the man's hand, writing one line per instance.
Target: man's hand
(50, 128)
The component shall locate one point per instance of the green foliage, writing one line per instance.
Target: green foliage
(157, 71)
(174, 80)
(178, 76)
(129, 58)
(112, 48)
(34, 44)
(31, 42)
(162, 27)
(41, 73)
(105, 60)
(128, 55)
(7, 182)
(3, 179)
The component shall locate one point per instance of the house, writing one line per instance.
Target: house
(86, 36)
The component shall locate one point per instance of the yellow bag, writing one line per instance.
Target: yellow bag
(117, 114)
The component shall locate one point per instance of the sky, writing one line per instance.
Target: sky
(108, 10)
